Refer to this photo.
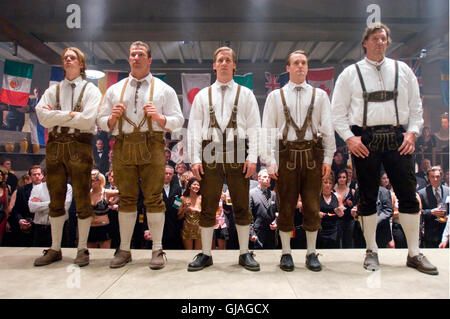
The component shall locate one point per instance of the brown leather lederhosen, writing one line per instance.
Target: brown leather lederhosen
(223, 162)
(138, 162)
(300, 171)
(383, 142)
(69, 155)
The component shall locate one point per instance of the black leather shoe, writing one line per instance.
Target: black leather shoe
(248, 261)
(201, 261)
(286, 262)
(313, 263)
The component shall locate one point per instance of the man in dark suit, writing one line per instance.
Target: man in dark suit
(384, 214)
(421, 176)
(263, 205)
(172, 226)
(434, 213)
(101, 158)
(21, 219)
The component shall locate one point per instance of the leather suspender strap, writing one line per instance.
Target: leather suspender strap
(145, 118)
(121, 101)
(396, 93)
(308, 119)
(233, 118)
(150, 101)
(232, 123)
(57, 107)
(365, 96)
(289, 120)
(58, 103)
(210, 96)
(77, 107)
(212, 116)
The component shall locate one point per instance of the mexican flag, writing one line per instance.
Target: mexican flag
(16, 83)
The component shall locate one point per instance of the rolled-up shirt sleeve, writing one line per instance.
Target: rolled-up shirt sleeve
(172, 110)
(326, 128)
(415, 122)
(50, 118)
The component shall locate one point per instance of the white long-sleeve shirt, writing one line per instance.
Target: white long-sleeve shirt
(347, 103)
(40, 209)
(84, 121)
(248, 119)
(274, 118)
(164, 98)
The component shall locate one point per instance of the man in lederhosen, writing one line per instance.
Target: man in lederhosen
(297, 120)
(69, 110)
(137, 110)
(377, 111)
(223, 118)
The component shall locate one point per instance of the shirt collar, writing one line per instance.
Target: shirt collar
(292, 85)
(229, 84)
(148, 78)
(77, 81)
(375, 63)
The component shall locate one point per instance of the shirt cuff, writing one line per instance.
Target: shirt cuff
(252, 158)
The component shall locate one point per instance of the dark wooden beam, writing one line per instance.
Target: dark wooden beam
(413, 46)
(29, 42)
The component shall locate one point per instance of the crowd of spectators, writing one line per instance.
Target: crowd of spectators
(24, 207)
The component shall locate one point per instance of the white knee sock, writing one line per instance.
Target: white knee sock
(57, 226)
(83, 232)
(207, 236)
(155, 223)
(127, 221)
(285, 237)
(311, 238)
(410, 224)
(243, 232)
(369, 227)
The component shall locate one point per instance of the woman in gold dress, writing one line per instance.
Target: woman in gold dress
(190, 210)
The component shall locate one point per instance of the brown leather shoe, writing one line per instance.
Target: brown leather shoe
(82, 258)
(157, 261)
(121, 258)
(49, 257)
(421, 263)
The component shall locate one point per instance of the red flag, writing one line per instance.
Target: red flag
(322, 78)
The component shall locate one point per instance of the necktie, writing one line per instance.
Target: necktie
(437, 194)
(223, 87)
(297, 103)
(266, 196)
(73, 85)
(136, 95)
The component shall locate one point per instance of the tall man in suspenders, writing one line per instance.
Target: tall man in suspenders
(377, 111)
(69, 110)
(223, 118)
(297, 118)
(137, 110)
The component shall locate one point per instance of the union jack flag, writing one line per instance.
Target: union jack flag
(271, 82)
(275, 81)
